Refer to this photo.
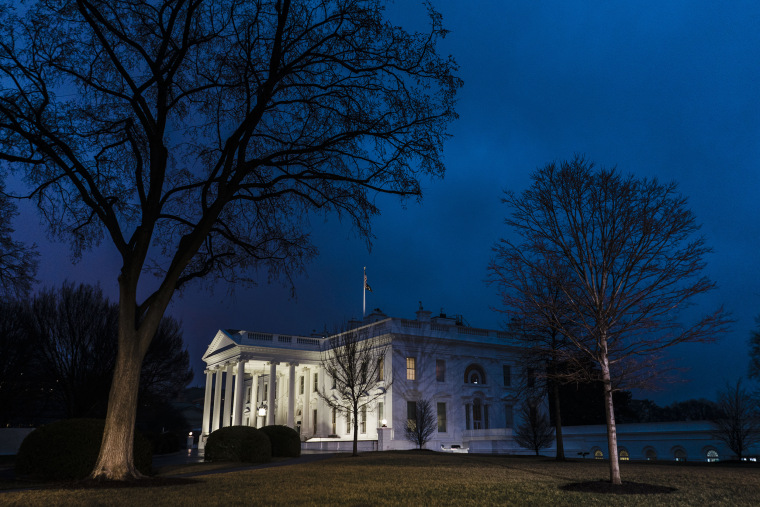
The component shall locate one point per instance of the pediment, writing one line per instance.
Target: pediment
(222, 341)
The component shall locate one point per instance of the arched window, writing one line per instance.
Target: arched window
(474, 374)
(712, 456)
(650, 454)
(679, 454)
(598, 454)
(624, 456)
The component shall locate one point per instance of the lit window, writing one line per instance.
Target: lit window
(440, 370)
(598, 454)
(624, 456)
(712, 456)
(411, 369)
(441, 418)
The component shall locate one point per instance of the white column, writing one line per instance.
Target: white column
(272, 393)
(306, 410)
(207, 403)
(292, 395)
(227, 396)
(253, 421)
(237, 408)
(216, 413)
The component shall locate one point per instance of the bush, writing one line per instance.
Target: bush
(68, 449)
(285, 441)
(238, 443)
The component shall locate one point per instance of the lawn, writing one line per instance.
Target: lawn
(426, 478)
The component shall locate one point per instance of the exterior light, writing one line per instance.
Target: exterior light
(262, 410)
(385, 423)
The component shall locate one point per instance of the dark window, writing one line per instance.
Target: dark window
(411, 410)
(316, 377)
(300, 390)
(507, 375)
(531, 377)
(441, 417)
(440, 370)
(508, 417)
(380, 369)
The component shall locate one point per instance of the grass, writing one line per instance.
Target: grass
(406, 478)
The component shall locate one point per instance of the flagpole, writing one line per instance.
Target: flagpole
(364, 293)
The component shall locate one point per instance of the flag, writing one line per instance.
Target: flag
(366, 285)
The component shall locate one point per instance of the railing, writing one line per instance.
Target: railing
(264, 337)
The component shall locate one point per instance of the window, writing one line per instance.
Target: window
(679, 454)
(266, 391)
(650, 454)
(441, 418)
(440, 370)
(315, 421)
(334, 381)
(467, 416)
(348, 422)
(381, 369)
(477, 415)
(598, 454)
(624, 456)
(507, 375)
(300, 389)
(380, 413)
(474, 374)
(411, 411)
(411, 368)
(712, 456)
(363, 420)
(485, 416)
(531, 377)
(334, 422)
(316, 377)
(508, 416)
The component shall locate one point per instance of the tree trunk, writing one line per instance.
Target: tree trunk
(356, 430)
(116, 460)
(558, 423)
(610, 414)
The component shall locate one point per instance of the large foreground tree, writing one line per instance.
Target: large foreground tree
(199, 136)
(632, 259)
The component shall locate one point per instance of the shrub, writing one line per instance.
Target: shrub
(68, 449)
(285, 441)
(238, 443)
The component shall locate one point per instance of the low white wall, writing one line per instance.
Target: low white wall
(338, 445)
(11, 438)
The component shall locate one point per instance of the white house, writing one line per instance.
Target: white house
(468, 374)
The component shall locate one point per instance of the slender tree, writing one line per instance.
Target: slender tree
(355, 364)
(199, 136)
(633, 260)
(754, 353)
(738, 424)
(533, 300)
(422, 424)
(536, 431)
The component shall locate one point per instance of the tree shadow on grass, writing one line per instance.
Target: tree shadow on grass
(627, 488)
(148, 482)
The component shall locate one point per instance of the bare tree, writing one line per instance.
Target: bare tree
(630, 249)
(421, 424)
(533, 301)
(18, 262)
(355, 363)
(19, 387)
(75, 332)
(536, 431)
(754, 353)
(739, 422)
(198, 137)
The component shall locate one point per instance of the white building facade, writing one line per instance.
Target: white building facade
(468, 374)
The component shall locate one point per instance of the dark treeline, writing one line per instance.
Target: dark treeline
(57, 355)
